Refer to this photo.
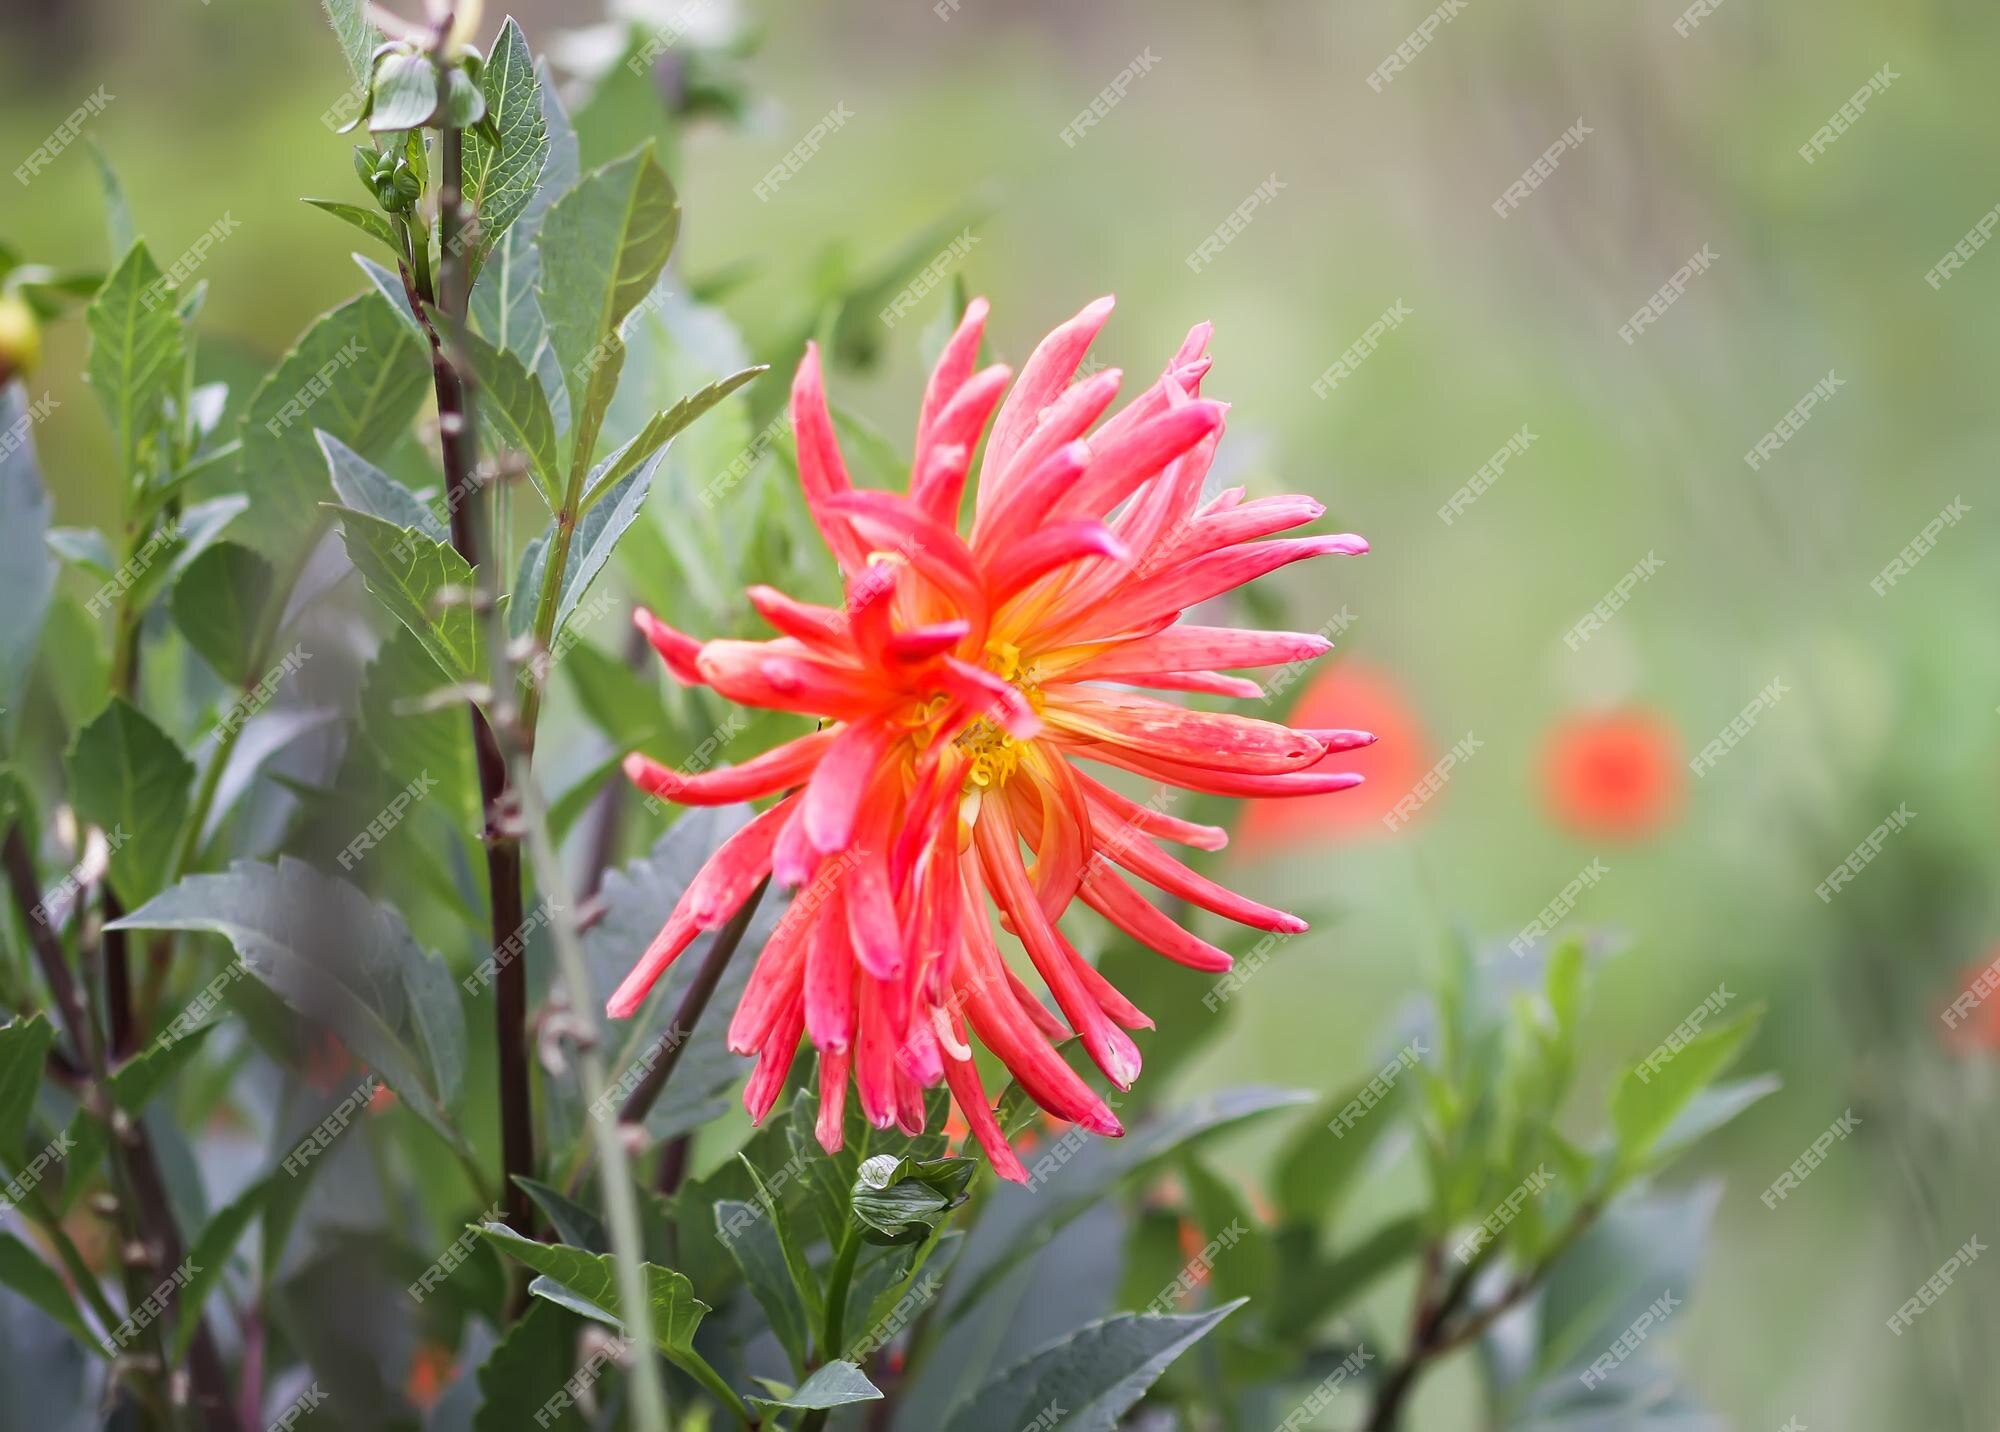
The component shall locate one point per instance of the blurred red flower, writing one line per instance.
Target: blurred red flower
(1972, 1021)
(1613, 774)
(1349, 694)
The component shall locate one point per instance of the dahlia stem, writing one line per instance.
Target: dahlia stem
(838, 1280)
(621, 1206)
(457, 442)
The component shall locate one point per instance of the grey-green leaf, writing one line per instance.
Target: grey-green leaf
(361, 485)
(515, 404)
(1094, 1375)
(342, 961)
(835, 1384)
(27, 569)
(221, 604)
(128, 778)
(602, 246)
(358, 373)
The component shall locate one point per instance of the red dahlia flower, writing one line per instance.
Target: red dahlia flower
(956, 689)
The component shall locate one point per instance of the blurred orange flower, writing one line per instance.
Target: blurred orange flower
(431, 1370)
(1613, 774)
(1352, 693)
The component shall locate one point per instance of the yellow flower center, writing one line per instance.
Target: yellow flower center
(995, 754)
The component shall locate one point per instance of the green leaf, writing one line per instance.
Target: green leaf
(361, 485)
(660, 431)
(1238, 1250)
(209, 1257)
(597, 538)
(129, 779)
(593, 1277)
(574, 1224)
(602, 246)
(359, 373)
(341, 960)
(117, 211)
(24, 1044)
(132, 1086)
(1710, 1110)
(84, 547)
(1650, 1096)
(357, 37)
(1320, 1162)
(407, 571)
(803, 1280)
(516, 405)
(528, 1367)
(500, 178)
(747, 1232)
(370, 221)
(834, 1384)
(27, 570)
(1073, 1174)
(1094, 1374)
(136, 354)
(221, 604)
(390, 286)
(405, 91)
(41, 1285)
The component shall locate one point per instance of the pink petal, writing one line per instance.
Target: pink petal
(677, 649)
(954, 366)
(774, 770)
(1046, 373)
(1056, 545)
(846, 769)
(1105, 892)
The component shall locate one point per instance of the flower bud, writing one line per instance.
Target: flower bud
(20, 338)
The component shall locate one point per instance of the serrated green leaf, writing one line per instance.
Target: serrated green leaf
(660, 431)
(407, 571)
(515, 404)
(129, 779)
(343, 961)
(834, 1384)
(1094, 1374)
(500, 178)
(41, 1285)
(358, 373)
(136, 354)
(357, 37)
(209, 1258)
(370, 221)
(602, 246)
(361, 485)
(221, 605)
(1650, 1096)
(593, 1277)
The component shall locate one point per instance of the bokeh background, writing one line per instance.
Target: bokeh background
(1451, 634)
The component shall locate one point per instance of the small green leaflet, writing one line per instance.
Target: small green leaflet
(136, 353)
(129, 779)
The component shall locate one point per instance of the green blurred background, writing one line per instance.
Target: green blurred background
(1387, 196)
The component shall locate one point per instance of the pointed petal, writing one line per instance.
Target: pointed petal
(1043, 377)
(1057, 544)
(677, 649)
(1108, 894)
(846, 769)
(774, 770)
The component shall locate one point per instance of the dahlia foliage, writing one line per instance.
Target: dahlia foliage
(956, 692)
